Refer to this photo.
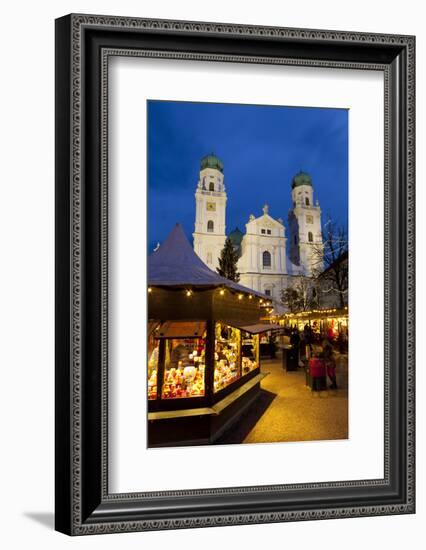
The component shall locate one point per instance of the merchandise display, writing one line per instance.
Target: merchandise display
(184, 368)
(153, 349)
(180, 367)
(249, 353)
(227, 356)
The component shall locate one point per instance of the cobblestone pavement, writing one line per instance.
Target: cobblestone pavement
(289, 411)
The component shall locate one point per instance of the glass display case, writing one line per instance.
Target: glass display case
(184, 368)
(249, 352)
(227, 357)
(195, 362)
(153, 350)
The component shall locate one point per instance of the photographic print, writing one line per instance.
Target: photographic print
(248, 329)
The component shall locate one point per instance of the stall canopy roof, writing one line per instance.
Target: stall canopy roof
(175, 263)
(260, 327)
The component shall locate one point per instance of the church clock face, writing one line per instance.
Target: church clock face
(211, 207)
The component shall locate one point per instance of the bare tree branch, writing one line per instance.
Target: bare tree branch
(333, 279)
(299, 297)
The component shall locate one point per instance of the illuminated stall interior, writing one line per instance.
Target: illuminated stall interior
(330, 322)
(203, 346)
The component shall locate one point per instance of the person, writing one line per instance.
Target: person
(307, 336)
(295, 344)
(330, 363)
(272, 346)
(342, 342)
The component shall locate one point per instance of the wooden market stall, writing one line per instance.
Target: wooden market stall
(203, 347)
(324, 322)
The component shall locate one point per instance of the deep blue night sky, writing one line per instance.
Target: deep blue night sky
(262, 148)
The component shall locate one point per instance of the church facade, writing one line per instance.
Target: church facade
(269, 260)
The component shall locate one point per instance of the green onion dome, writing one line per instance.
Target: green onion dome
(236, 237)
(211, 161)
(302, 178)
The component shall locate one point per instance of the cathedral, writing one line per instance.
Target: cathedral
(267, 263)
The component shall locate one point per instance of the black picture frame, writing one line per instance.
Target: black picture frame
(83, 504)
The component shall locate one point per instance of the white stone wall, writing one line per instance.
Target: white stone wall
(210, 206)
(264, 234)
(305, 222)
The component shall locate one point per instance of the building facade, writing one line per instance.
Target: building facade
(210, 209)
(263, 264)
(304, 221)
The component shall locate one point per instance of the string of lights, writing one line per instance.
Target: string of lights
(221, 291)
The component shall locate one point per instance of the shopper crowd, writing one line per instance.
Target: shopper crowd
(308, 344)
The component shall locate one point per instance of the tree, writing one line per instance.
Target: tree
(304, 289)
(299, 297)
(228, 262)
(290, 298)
(332, 261)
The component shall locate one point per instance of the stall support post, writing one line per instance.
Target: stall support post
(210, 348)
(160, 372)
(240, 355)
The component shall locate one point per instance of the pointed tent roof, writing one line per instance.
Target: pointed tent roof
(176, 264)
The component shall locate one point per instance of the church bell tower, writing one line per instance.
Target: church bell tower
(210, 208)
(304, 219)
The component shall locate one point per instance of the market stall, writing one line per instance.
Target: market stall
(332, 323)
(203, 346)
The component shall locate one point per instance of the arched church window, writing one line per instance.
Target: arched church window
(210, 226)
(266, 259)
(310, 237)
(307, 201)
(211, 186)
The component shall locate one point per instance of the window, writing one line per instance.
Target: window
(267, 291)
(210, 226)
(262, 231)
(211, 186)
(184, 367)
(227, 356)
(236, 354)
(307, 201)
(268, 231)
(310, 237)
(266, 259)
